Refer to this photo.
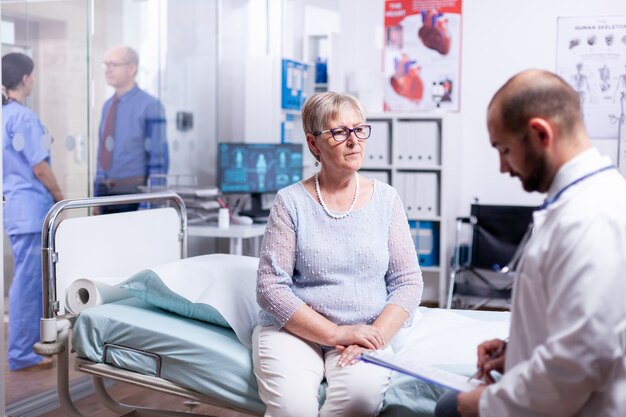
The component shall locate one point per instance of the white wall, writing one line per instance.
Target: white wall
(233, 21)
(189, 83)
(501, 38)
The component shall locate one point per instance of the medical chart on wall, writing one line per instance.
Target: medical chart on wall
(422, 55)
(591, 56)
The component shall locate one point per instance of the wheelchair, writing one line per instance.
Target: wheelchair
(488, 246)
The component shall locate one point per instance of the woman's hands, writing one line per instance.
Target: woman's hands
(350, 340)
(363, 335)
(354, 340)
(350, 354)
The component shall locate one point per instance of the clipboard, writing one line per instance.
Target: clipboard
(427, 373)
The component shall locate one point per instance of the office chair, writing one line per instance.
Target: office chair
(484, 266)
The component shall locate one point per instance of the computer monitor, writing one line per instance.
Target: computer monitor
(257, 169)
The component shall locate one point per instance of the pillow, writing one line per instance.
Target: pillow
(147, 286)
(218, 288)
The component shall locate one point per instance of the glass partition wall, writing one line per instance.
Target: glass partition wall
(176, 42)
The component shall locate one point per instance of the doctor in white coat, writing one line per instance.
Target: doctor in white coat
(566, 355)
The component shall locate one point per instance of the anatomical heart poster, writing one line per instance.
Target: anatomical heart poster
(422, 58)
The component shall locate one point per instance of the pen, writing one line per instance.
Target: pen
(492, 356)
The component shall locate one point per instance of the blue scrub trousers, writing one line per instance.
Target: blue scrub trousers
(25, 300)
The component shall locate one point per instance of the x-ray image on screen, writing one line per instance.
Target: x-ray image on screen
(258, 167)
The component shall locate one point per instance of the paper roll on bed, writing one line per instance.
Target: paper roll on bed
(84, 293)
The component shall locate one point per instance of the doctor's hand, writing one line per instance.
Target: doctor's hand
(491, 356)
(362, 335)
(349, 354)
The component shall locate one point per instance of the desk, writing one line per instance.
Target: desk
(236, 233)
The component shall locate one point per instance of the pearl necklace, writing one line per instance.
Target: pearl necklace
(330, 213)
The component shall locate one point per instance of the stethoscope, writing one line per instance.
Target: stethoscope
(511, 266)
(555, 197)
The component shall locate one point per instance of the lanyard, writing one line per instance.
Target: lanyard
(554, 198)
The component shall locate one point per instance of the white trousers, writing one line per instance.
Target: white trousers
(289, 371)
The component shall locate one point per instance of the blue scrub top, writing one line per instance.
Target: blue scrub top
(27, 199)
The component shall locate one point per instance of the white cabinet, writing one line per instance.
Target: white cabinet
(408, 152)
(378, 153)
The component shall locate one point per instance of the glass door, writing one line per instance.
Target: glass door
(176, 46)
(176, 42)
(54, 34)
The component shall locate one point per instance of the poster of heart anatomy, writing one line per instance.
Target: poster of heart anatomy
(422, 55)
(591, 57)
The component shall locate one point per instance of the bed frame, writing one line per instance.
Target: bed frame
(162, 234)
(80, 247)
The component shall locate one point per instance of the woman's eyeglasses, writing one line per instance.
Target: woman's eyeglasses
(341, 134)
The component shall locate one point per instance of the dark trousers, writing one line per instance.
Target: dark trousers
(446, 405)
(104, 189)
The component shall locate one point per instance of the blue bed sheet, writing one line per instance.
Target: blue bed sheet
(196, 355)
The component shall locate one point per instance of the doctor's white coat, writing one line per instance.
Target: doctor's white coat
(566, 355)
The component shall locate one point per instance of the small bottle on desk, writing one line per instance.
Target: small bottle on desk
(223, 218)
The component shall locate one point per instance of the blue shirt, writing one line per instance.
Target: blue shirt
(140, 143)
(346, 269)
(27, 199)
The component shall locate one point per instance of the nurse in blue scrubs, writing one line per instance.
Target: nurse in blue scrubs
(30, 189)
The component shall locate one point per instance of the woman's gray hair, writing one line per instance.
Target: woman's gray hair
(322, 108)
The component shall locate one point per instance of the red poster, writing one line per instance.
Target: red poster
(422, 54)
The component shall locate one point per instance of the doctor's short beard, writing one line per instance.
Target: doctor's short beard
(538, 169)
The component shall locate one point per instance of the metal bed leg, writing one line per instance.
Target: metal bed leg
(63, 385)
(108, 401)
(126, 410)
(55, 343)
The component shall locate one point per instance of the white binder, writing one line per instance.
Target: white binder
(427, 193)
(413, 193)
(417, 143)
(399, 184)
(377, 146)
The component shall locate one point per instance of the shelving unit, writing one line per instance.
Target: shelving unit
(410, 152)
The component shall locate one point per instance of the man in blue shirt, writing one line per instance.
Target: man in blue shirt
(132, 141)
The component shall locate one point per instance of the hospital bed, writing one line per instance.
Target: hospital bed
(138, 341)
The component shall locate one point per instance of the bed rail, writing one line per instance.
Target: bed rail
(55, 328)
(52, 221)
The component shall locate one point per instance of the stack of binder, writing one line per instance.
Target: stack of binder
(419, 192)
(426, 238)
(417, 143)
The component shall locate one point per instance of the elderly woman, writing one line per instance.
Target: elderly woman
(338, 275)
